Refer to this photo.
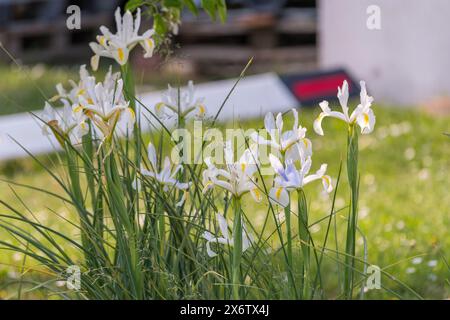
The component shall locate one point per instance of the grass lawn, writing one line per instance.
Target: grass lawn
(404, 210)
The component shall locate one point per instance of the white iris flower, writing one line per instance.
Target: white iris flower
(119, 45)
(225, 238)
(291, 144)
(182, 99)
(362, 115)
(236, 177)
(167, 176)
(289, 178)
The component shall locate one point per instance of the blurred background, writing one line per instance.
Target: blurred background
(405, 201)
(407, 52)
(281, 34)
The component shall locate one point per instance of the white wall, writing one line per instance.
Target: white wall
(406, 62)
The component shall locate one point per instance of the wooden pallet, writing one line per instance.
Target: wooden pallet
(284, 42)
(46, 38)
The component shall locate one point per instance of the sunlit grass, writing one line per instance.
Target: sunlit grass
(404, 202)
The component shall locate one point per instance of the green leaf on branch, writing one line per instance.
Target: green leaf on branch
(210, 6)
(191, 6)
(133, 4)
(173, 4)
(159, 24)
(222, 10)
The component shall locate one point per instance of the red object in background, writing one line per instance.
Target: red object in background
(323, 86)
(314, 87)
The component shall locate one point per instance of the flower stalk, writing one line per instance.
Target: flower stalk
(305, 240)
(237, 248)
(352, 173)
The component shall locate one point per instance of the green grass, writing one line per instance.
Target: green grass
(404, 201)
(26, 88)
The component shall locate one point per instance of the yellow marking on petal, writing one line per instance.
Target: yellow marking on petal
(243, 167)
(207, 186)
(278, 193)
(202, 109)
(102, 40)
(366, 119)
(120, 54)
(257, 194)
(159, 106)
(305, 142)
(81, 92)
(150, 43)
(131, 111)
(78, 109)
(90, 101)
(327, 180)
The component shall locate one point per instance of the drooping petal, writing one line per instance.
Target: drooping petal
(279, 196)
(130, 118)
(315, 176)
(223, 225)
(80, 130)
(95, 59)
(209, 238)
(246, 238)
(200, 111)
(120, 54)
(151, 152)
(318, 123)
(326, 112)
(166, 170)
(256, 194)
(326, 182)
(148, 44)
(160, 110)
(306, 147)
(136, 184)
(366, 121)
(182, 200)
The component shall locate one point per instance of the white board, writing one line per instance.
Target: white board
(253, 97)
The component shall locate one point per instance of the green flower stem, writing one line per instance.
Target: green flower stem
(126, 229)
(237, 248)
(352, 172)
(73, 170)
(289, 260)
(304, 243)
(130, 94)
